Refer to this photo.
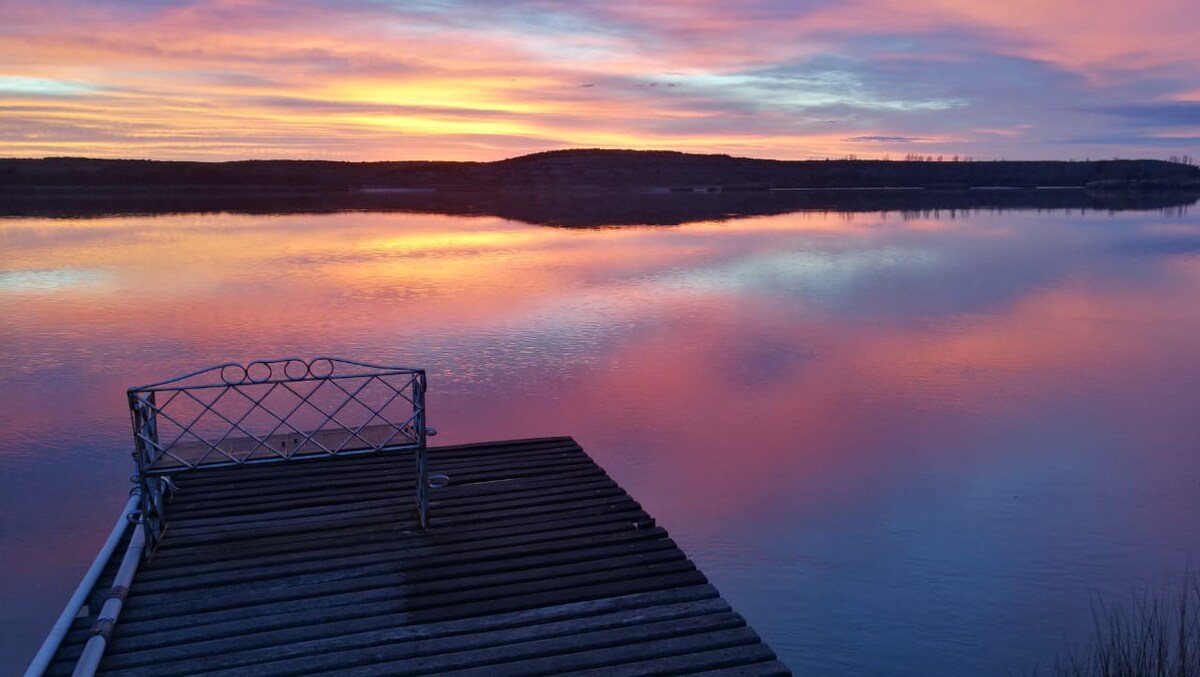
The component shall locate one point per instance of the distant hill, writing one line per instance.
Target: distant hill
(593, 169)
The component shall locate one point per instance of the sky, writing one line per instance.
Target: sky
(457, 80)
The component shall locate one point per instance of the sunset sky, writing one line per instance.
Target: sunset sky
(445, 79)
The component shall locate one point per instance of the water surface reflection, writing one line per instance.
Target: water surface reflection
(898, 445)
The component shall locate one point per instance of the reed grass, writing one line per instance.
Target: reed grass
(1155, 633)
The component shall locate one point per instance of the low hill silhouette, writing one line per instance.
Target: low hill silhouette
(593, 169)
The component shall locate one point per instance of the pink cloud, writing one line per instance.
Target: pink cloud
(207, 79)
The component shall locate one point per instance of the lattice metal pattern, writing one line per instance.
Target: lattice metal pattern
(273, 410)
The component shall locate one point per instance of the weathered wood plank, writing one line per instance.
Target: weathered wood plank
(554, 485)
(597, 587)
(585, 650)
(367, 559)
(772, 668)
(383, 529)
(252, 493)
(334, 636)
(389, 545)
(536, 563)
(746, 659)
(397, 519)
(396, 644)
(312, 588)
(614, 655)
(318, 606)
(342, 493)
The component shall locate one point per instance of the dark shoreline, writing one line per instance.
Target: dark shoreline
(602, 170)
(576, 209)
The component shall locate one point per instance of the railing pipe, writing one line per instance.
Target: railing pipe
(102, 630)
(50, 646)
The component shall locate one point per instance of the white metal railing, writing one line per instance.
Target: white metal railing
(54, 638)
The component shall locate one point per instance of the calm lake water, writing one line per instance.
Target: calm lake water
(900, 444)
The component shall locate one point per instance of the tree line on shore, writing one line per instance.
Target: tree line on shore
(601, 169)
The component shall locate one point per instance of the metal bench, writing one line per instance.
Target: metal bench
(273, 411)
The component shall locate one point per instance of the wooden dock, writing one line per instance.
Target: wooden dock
(535, 563)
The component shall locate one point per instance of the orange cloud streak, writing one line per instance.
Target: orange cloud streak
(223, 80)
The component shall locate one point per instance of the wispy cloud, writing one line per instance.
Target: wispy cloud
(11, 85)
(1168, 114)
(380, 79)
(885, 139)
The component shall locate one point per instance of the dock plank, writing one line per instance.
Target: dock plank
(375, 630)
(535, 563)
